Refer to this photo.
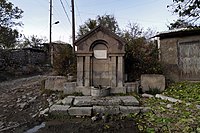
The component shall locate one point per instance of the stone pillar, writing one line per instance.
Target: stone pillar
(87, 71)
(114, 74)
(80, 71)
(120, 72)
(110, 71)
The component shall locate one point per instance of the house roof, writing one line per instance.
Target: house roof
(179, 33)
(95, 30)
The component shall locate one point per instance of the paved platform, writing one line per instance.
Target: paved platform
(88, 105)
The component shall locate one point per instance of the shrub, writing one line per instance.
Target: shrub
(64, 60)
(141, 58)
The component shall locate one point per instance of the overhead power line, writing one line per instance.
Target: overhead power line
(67, 3)
(65, 11)
(78, 12)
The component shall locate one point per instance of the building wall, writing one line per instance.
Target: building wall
(174, 51)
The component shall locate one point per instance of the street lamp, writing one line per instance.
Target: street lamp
(50, 32)
(52, 49)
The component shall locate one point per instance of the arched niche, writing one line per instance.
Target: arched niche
(100, 63)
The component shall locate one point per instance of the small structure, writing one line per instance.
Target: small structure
(100, 60)
(180, 54)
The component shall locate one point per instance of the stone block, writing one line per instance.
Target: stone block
(115, 90)
(129, 100)
(59, 109)
(55, 83)
(80, 111)
(147, 95)
(152, 81)
(168, 98)
(131, 87)
(68, 101)
(69, 87)
(100, 92)
(85, 90)
(106, 101)
(82, 101)
(106, 109)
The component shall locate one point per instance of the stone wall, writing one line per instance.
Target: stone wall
(21, 57)
(173, 53)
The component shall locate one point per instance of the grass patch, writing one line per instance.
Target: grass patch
(179, 117)
(186, 91)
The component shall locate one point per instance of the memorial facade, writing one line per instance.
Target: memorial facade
(100, 60)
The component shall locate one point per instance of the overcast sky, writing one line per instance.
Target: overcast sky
(148, 13)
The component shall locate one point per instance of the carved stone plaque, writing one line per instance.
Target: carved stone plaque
(100, 54)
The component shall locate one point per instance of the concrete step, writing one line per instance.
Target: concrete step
(90, 111)
(105, 101)
(88, 105)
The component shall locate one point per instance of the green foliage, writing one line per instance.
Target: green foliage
(8, 37)
(180, 117)
(64, 60)
(186, 8)
(32, 42)
(187, 91)
(180, 23)
(141, 53)
(8, 20)
(107, 21)
(141, 58)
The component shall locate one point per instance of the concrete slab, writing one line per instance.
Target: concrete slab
(82, 101)
(69, 87)
(59, 109)
(152, 81)
(55, 83)
(116, 90)
(129, 100)
(85, 90)
(68, 100)
(106, 109)
(80, 111)
(129, 109)
(131, 86)
(105, 101)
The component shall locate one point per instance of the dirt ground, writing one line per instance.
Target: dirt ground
(23, 100)
(80, 125)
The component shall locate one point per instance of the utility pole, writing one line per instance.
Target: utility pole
(50, 23)
(50, 32)
(73, 26)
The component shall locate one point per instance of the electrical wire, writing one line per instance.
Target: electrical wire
(78, 13)
(67, 4)
(65, 11)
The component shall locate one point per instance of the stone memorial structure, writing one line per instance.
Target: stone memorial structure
(100, 61)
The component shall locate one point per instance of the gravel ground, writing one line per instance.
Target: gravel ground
(23, 100)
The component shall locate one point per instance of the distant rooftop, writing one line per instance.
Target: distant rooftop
(178, 33)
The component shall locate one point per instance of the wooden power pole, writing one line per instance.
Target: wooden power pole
(73, 26)
(50, 34)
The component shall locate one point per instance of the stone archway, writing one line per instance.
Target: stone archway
(100, 64)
